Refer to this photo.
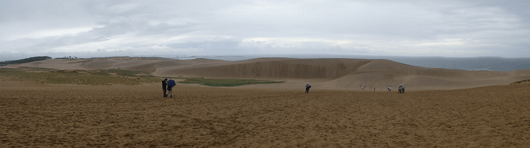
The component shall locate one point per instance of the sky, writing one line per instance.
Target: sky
(99, 28)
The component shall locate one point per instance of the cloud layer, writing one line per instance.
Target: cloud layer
(209, 27)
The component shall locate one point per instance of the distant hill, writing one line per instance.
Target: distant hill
(352, 73)
(26, 60)
(345, 74)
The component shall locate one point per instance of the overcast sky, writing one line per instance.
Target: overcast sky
(231, 27)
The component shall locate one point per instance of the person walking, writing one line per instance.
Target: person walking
(170, 91)
(403, 88)
(389, 88)
(164, 86)
(170, 85)
(307, 86)
(362, 88)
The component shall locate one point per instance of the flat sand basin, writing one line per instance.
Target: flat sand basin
(138, 116)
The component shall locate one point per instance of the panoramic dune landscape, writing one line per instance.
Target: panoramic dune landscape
(117, 102)
(265, 73)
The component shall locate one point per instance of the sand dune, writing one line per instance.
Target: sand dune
(290, 69)
(344, 74)
(350, 74)
(382, 73)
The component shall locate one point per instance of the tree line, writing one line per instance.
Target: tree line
(26, 60)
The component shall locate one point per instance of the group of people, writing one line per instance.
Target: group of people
(362, 87)
(401, 88)
(167, 86)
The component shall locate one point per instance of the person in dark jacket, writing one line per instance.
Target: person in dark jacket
(164, 86)
(307, 88)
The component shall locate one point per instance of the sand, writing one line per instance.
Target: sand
(46, 115)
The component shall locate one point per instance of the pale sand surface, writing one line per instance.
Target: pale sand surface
(45, 115)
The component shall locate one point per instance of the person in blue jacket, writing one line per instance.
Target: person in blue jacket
(170, 85)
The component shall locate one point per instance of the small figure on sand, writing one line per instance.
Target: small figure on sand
(164, 86)
(389, 88)
(401, 88)
(307, 86)
(374, 89)
(170, 85)
(362, 88)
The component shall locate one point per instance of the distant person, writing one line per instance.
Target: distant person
(389, 88)
(403, 89)
(374, 89)
(307, 86)
(362, 88)
(164, 86)
(170, 85)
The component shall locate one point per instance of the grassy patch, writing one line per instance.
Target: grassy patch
(99, 72)
(36, 69)
(125, 72)
(8, 69)
(225, 82)
(83, 77)
(519, 82)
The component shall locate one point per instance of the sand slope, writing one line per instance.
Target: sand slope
(137, 116)
(290, 69)
(345, 74)
(382, 73)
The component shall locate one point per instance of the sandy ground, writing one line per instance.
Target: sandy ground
(46, 115)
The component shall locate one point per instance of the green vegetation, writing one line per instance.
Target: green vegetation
(225, 82)
(8, 69)
(36, 69)
(519, 82)
(84, 77)
(26, 60)
(126, 72)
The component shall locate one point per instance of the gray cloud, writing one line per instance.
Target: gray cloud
(397, 28)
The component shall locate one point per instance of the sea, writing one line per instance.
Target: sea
(462, 63)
